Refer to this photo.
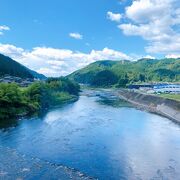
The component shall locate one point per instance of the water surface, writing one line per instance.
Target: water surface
(102, 138)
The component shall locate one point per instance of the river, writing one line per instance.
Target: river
(104, 138)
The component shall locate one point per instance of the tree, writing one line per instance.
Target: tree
(104, 78)
(122, 82)
(142, 77)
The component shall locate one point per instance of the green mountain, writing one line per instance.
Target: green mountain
(121, 73)
(37, 75)
(10, 67)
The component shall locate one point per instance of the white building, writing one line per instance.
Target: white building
(167, 88)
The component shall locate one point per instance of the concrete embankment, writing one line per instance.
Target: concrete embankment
(165, 107)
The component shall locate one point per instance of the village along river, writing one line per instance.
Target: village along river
(102, 137)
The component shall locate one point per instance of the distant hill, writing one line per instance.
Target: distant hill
(10, 67)
(121, 73)
(37, 75)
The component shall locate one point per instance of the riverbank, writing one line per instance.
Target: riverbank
(175, 97)
(166, 107)
(16, 101)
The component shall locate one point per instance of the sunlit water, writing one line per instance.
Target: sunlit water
(102, 140)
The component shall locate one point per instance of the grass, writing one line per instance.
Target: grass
(171, 96)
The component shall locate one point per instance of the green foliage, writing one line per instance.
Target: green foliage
(144, 70)
(170, 96)
(15, 101)
(62, 97)
(63, 85)
(104, 78)
(122, 82)
(11, 100)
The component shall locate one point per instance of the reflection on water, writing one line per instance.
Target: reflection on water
(102, 138)
(114, 102)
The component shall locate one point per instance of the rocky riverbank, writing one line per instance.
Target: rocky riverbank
(163, 106)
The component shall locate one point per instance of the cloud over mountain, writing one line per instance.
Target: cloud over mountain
(57, 62)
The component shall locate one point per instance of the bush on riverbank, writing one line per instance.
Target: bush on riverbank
(17, 101)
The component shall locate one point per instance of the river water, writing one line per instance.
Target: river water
(104, 138)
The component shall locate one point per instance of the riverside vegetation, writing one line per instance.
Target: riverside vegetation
(17, 101)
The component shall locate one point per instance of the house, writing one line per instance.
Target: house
(20, 81)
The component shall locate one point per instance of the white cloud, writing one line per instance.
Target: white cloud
(4, 28)
(76, 35)
(11, 50)
(48, 71)
(114, 16)
(149, 57)
(142, 11)
(173, 56)
(107, 54)
(156, 21)
(57, 62)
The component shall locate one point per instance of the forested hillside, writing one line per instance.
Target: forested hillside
(121, 73)
(10, 67)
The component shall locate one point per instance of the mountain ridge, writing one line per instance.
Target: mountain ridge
(8, 66)
(128, 72)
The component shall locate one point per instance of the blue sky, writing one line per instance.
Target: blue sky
(48, 23)
(56, 37)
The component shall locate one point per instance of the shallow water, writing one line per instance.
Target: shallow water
(102, 138)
